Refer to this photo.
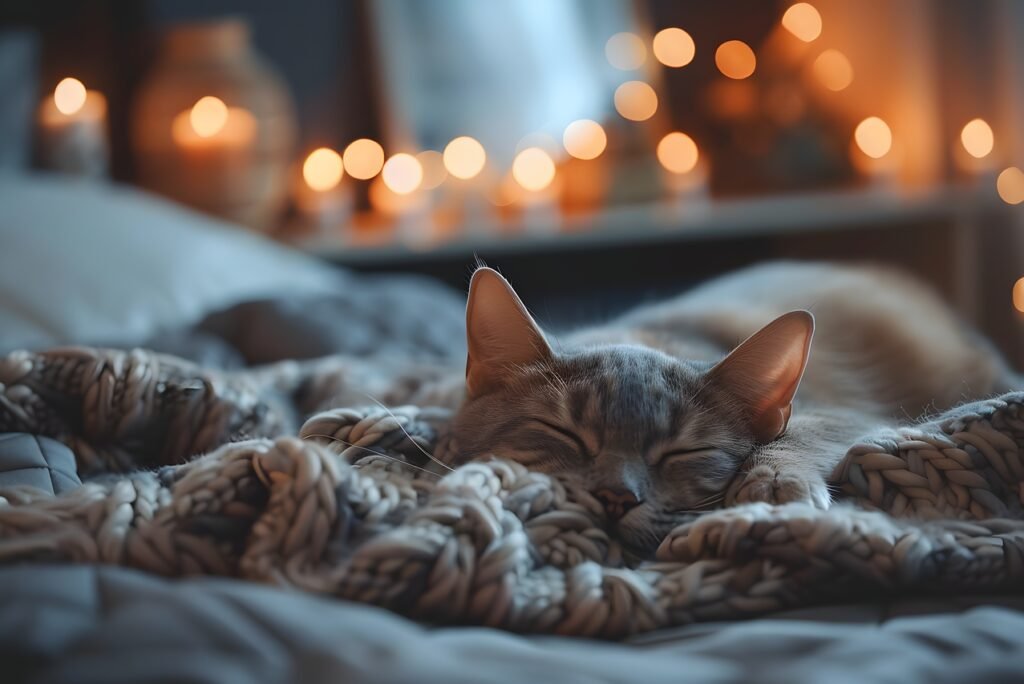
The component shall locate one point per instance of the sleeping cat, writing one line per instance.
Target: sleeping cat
(660, 412)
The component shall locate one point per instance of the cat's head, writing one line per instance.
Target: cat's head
(651, 436)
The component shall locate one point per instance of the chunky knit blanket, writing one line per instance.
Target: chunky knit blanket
(195, 472)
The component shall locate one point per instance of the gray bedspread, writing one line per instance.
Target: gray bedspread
(109, 625)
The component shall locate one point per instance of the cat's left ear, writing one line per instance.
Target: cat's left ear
(763, 373)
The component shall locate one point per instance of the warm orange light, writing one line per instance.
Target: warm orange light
(434, 172)
(69, 96)
(323, 169)
(403, 173)
(873, 137)
(533, 169)
(208, 117)
(977, 138)
(803, 21)
(625, 51)
(364, 158)
(636, 100)
(1010, 185)
(678, 153)
(834, 70)
(735, 59)
(584, 139)
(674, 47)
(1018, 295)
(464, 157)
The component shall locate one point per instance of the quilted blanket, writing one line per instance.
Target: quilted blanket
(189, 471)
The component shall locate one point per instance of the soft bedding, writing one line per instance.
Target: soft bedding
(87, 624)
(489, 543)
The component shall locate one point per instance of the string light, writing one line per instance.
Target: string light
(533, 169)
(678, 153)
(803, 21)
(584, 139)
(625, 51)
(1010, 185)
(208, 117)
(1018, 295)
(735, 59)
(834, 70)
(674, 47)
(402, 173)
(69, 96)
(977, 138)
(636, 101)
(873, 137)
(364, 158)
(464, 157)
(323, 169)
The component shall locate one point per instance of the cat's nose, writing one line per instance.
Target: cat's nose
(616, 502)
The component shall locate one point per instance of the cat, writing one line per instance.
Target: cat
(714, 397)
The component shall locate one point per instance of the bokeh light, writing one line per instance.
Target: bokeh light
(364, 158)
(625, 51)
(873, 137)
(464, 157)
(803, 21)
(402, 173)
(208, 117)
(1018, 295)
(833, 70)
(636, 101)
(323, 169)
(735, 59)
(533, 169)
(678, 153)
(434, 172)
(1010, 185)
(585, 139)
(977, 138)
(69, 96)
(674, 47)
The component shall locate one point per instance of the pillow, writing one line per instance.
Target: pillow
(83, 262)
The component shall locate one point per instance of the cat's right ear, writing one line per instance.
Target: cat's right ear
(763, 373)
(500, 334)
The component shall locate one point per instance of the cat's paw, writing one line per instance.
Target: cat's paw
(763, 483)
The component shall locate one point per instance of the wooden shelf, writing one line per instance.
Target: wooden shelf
(632, 226)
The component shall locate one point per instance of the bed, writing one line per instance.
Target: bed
(101, 266)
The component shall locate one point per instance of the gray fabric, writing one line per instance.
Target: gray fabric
(107, 625)
(35, 461)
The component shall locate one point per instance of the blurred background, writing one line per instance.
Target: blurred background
(600, 152)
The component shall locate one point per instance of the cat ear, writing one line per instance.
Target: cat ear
(500, 333)
(763, 372)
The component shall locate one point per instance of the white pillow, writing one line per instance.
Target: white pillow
(88, 262)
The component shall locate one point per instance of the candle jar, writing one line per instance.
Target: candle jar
(213, 126)
(71, 131)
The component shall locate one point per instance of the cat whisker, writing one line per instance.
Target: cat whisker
(406, 433)
(375, 452)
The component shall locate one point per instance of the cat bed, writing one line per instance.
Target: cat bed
(935, 507)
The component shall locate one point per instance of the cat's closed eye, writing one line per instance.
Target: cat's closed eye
(564, 434)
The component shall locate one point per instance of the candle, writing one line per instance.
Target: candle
(73, 130)
(687, 178)
(211, 127)
(535, 175)
(322, 202)
(871, 151)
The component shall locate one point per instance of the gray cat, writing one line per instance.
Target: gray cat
(694, 402)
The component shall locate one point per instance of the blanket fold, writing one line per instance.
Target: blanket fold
(199, 472)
